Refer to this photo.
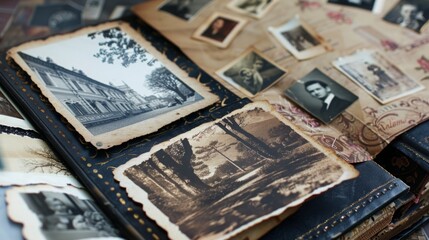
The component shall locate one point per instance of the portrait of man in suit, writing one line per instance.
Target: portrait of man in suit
(320, 95)
(332, 105)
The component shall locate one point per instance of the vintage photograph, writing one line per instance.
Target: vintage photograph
(251, 73)
(184, 9)
(253, 8)
(9, 114)
(372, 5)
(6, 107)
(28, 160)
(376, 75)
(226, 176)
(299, 39)
(220, 29)
(47, 212)
(320, 95)
(411, 14)
(110, 83)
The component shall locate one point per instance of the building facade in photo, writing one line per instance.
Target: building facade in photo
(92, 102)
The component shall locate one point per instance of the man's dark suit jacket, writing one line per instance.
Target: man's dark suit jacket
(336, 107)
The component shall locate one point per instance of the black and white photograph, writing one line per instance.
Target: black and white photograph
(29, 160)
(110, 83)
(299, 39)
(48, 213)
(251, 73)
(411, 14)
(10, 115)
(226, 176)
(6, 107)
(372, 5)
(220, 29)
(320, 95)
(183, 9)
(253, 8)
(377, 75)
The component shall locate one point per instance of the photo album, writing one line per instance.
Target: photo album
(214, 119)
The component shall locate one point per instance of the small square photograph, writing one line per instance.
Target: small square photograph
(110, 83)
(320, 95)
(377, 76)
(184, 9)
(299, 39)
(253, 8)
(251, 73)
(47, 212)
(220, 29)
(411, 14)
(371, 5)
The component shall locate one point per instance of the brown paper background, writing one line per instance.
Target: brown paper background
(366, 127)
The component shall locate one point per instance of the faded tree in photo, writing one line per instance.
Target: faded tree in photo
(231, 126)
(216, 147)
(161, 79)
(46, 162)
(118, 46)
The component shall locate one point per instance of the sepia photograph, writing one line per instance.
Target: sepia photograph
(299, 39)
(223, 177)
(47, 212)
(320, 95)
(411, 14)
(372, 5)
(184, 9)
(251, 73)
(376, 75)
(253, 8)
(110, 83)
(220, 29)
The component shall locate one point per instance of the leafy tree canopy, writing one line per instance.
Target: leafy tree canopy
(117, 46)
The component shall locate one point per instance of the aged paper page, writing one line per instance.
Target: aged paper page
(364, 128)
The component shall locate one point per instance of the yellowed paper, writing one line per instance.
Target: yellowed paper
(368, 125)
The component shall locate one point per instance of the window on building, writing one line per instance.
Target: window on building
(46, 78)
(77, 109)
(77, 85)
(95, 107)
(90, 88)
(102, 92)
(106, 106)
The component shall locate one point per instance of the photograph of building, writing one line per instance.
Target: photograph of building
(92, 102)
(97, 105)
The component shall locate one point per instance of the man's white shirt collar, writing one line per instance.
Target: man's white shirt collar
(328, 100)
